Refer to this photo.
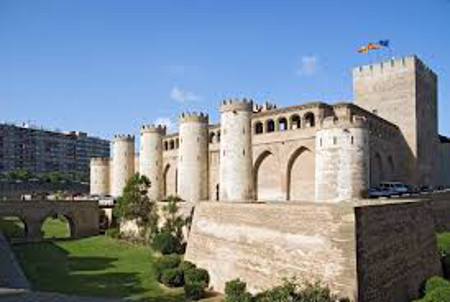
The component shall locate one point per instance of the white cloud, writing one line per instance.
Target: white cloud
(179, 95)
(165, 121)
(308, 66)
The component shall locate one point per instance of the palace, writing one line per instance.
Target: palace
(311, 152)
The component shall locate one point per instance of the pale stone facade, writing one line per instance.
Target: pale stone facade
(304, 152)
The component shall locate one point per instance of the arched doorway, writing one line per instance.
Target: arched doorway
(170, 181)
(301, 175)
(13, 227)
(267, 180)
(57, 226)
(376, 170)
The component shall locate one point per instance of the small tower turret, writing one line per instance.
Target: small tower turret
(122, 162)
(150, 158)
(193, 157)
(236, 159)
(99, 179)
(342, 159)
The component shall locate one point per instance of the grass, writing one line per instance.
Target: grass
(97, 266)
(12, 227)
(56, 227)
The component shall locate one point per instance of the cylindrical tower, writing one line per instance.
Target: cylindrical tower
(122, 162)
(342, 159)
(151, 159)
(236, 156)
(193, 157)
(99, 176)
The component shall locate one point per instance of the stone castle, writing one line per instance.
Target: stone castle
(311, 152)
(308, 166)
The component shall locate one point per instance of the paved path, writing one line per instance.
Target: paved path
(11, 275)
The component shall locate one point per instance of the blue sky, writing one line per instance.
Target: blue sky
(107, 66)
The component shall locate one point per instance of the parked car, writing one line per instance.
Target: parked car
(397, 188)
(379, 192)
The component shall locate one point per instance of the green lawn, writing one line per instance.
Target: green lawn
(56, 227)
(96, 266)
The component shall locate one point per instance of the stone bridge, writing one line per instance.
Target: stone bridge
(83, 216)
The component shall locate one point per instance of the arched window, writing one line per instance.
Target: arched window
(172, 145)
(310, 119)
(282, 124)
(295, 122)
(259, 128)
(177, 143)
(218, 136)
(166, 146)
(212, 137)
(270, 126)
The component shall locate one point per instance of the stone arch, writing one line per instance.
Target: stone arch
(177, 143)
(295, 122)
(259, 128)
(270, 125)
(218, 136)
(212, 137)
(166, 145)
(54, 215)
(300, 178)
(267, 182)
(310, 119)
(282, 124)
(172, 144)
(9, 227)
(170, 181)
(376, 170)
(391, 166)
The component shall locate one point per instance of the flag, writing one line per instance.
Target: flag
(384, 43)
(363, 49)
(373, 46)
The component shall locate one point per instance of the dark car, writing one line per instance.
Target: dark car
(379, 192)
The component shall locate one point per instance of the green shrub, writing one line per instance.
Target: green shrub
(434, 283)
(166, 243)
(235, 291)
(440, 294)
(173, 277)
(186, 265)
(196, 275)
(194, 291)
(166, 262)
(113, 233)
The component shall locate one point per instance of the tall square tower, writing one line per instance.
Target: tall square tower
(404, 92)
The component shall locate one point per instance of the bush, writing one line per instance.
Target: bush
(194, 291)
(166, 262)
(113, 233)
(173, 277)
(235, 291)
(166, 243)
(441, 294)
(434, 283)
(196, 275)
(186, 265)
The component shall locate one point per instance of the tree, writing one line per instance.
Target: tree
(173, 222)
(134, 204)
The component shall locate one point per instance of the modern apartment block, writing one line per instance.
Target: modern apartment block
(41, 151)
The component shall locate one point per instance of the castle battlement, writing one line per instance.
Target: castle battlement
(100, 161)
(123, 137)
(388, 66)
(354, 121)
(237, 105)
(151, 128)
(197, 117)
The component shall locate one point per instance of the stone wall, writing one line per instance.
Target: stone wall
(262, 243)
(396, 250)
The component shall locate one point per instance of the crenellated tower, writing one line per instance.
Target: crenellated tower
(123, 158)
(150, 158)
(342, 159)
(193, 157)
(236, 155)
(404, 92)
(99, 180)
